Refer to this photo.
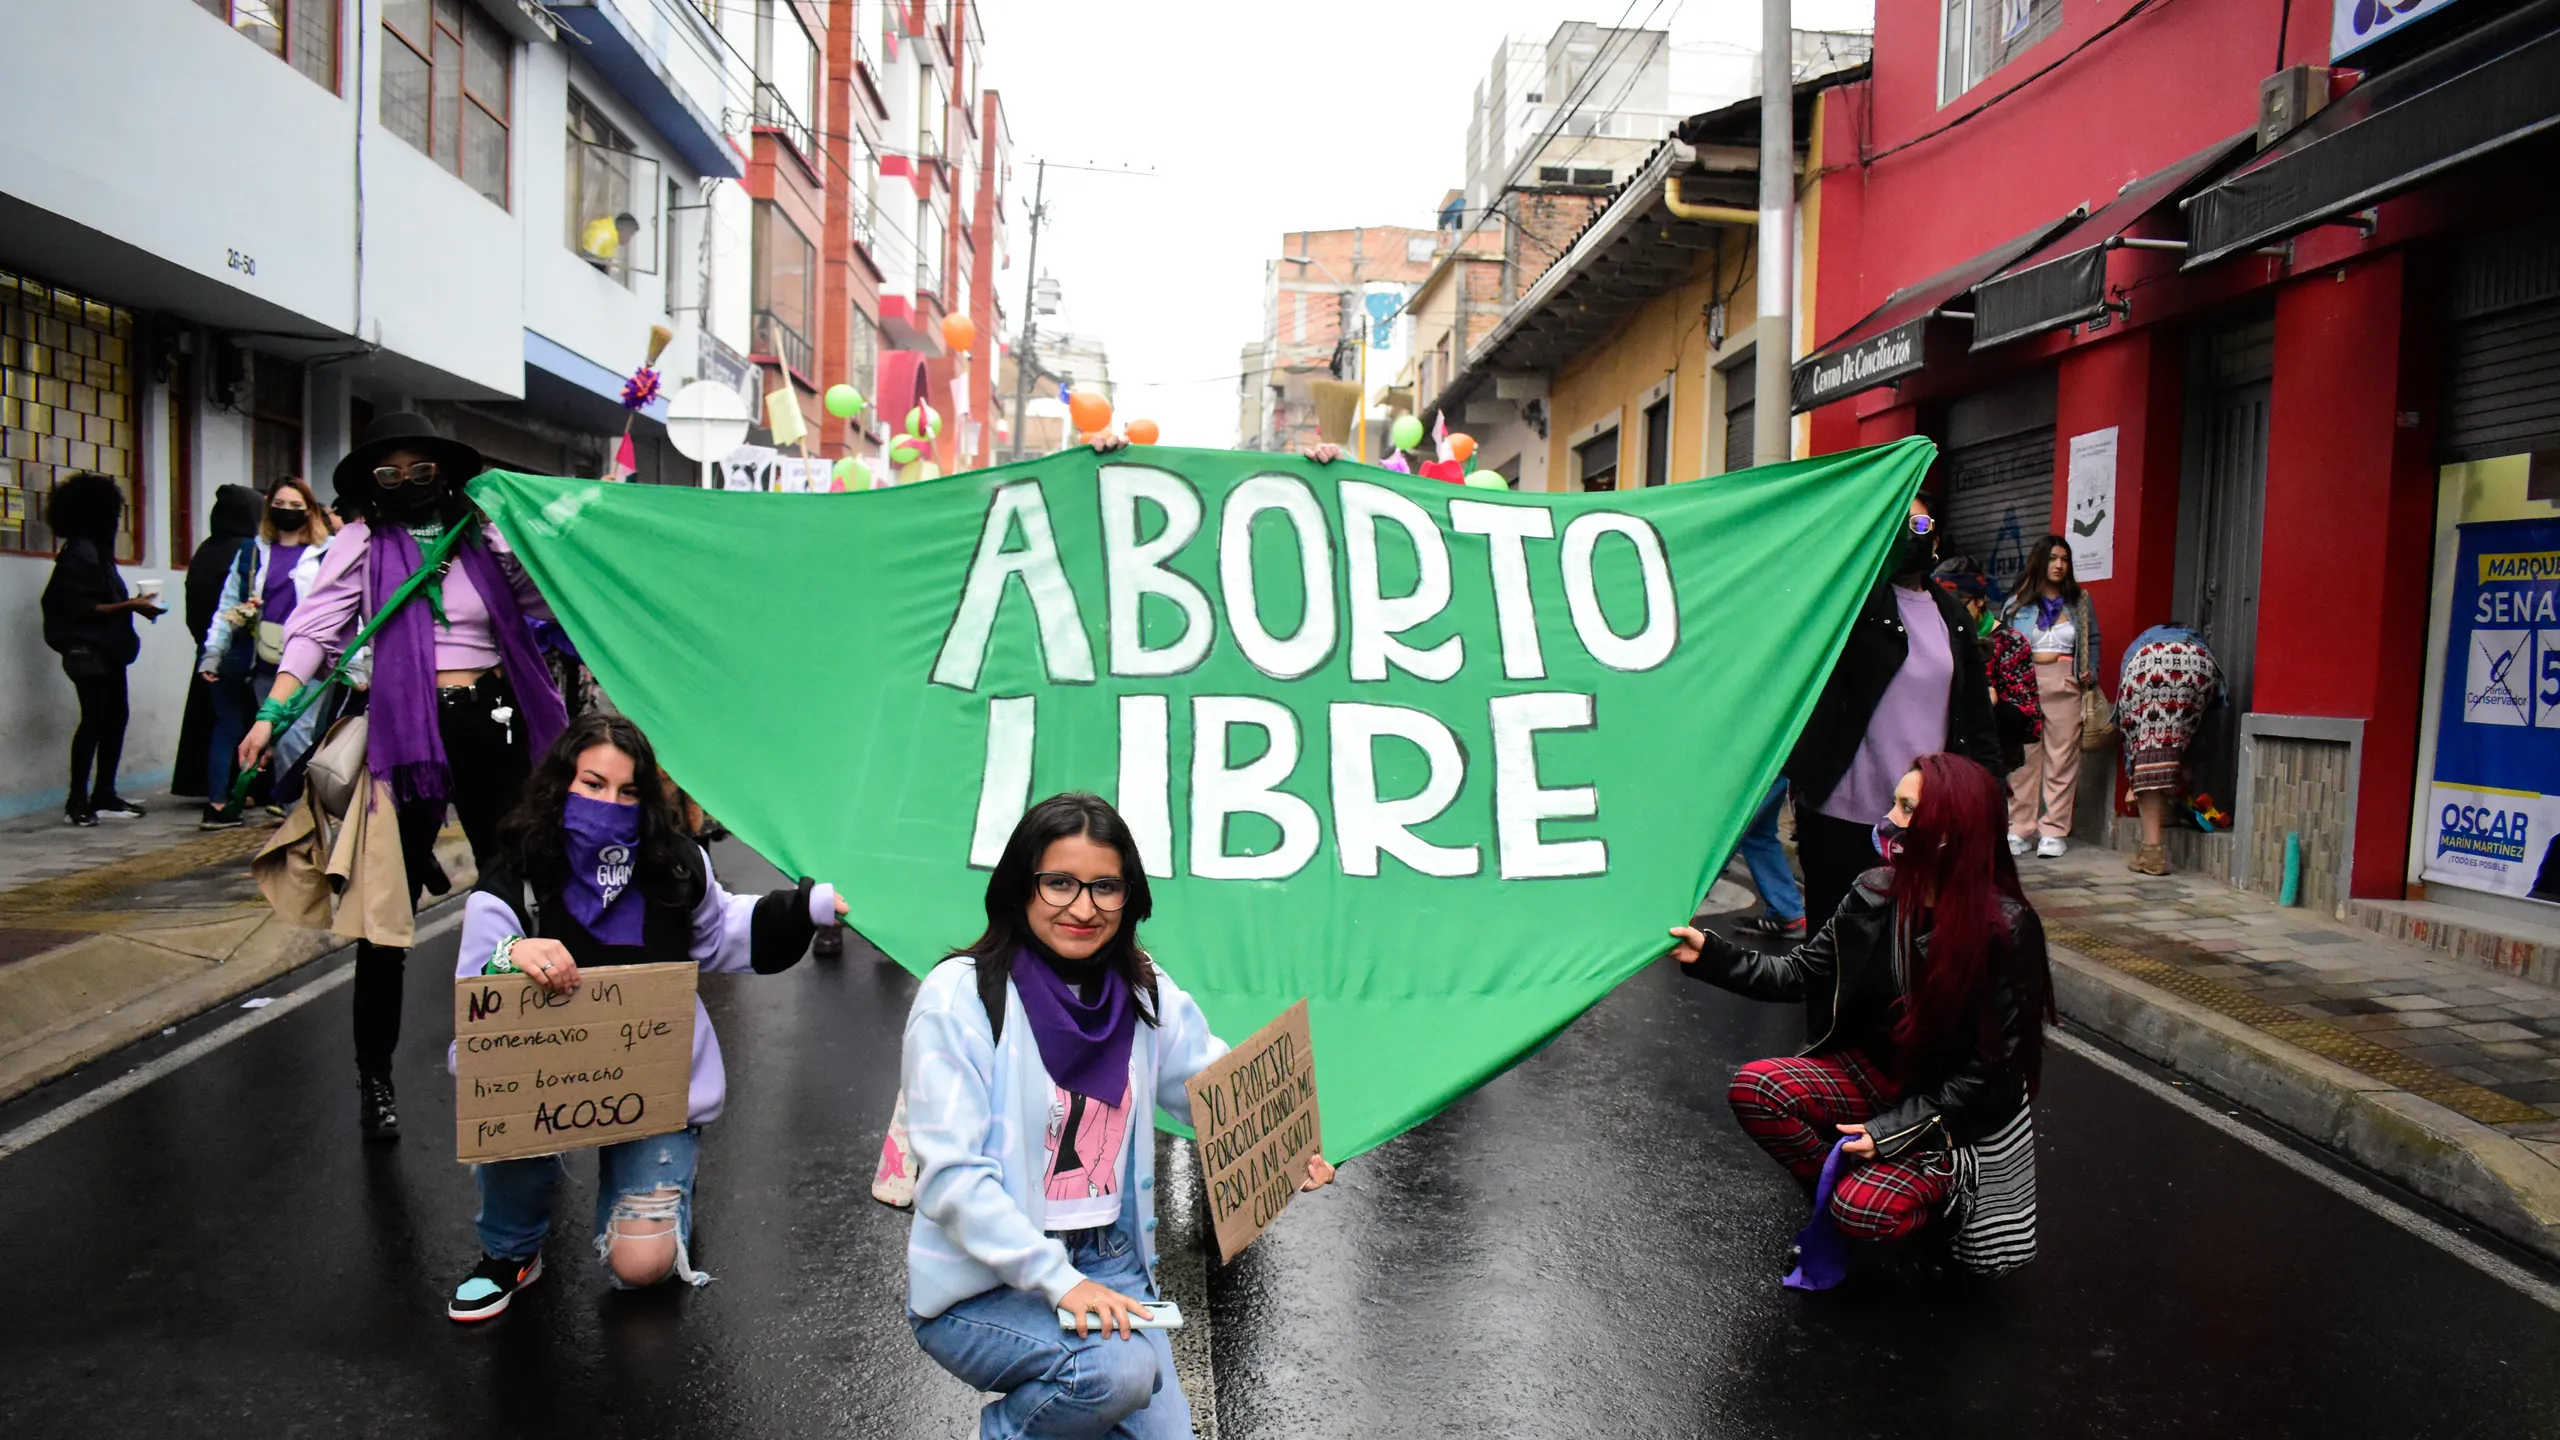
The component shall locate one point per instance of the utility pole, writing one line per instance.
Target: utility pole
(1030, 316)
(1773, 426)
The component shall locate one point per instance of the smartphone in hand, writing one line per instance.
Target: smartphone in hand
(1161, 1315)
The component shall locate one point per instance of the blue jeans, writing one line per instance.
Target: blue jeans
(1052, 1384)
(235, 708)
(1767, 859)
(515, 1196)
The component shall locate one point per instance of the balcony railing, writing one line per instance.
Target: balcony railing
(928, 281)
(775, 113)
(776, 337)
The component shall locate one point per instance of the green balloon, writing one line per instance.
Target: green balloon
(903, 453)
(924, 422)
(1406, 433)
(1488, 480)
(843, 401)
(850, 470)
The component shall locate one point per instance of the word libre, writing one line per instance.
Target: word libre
(537, 1073)
(1391, 559)
(1254, 1113)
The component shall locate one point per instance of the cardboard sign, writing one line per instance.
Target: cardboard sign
(537, 1073)
(1254, 1111)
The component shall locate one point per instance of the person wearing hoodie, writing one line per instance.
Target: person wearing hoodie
(239, 653)
(235, 523)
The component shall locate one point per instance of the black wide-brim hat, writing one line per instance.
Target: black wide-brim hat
(455, 462)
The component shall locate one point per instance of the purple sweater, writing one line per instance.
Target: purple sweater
(719, 945)
(1910, 720)
(330, 615)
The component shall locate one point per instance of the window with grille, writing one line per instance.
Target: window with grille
(611, 217)
(787, 74)
(66, 405)
(1977, 37)
(447, 74)
(785, 290)
(302, 33)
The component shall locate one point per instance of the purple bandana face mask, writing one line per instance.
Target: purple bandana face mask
(603, 840)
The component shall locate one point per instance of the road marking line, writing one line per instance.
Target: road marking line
(72, 1111)
(2443, 1237)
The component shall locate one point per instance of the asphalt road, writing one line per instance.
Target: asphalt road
(1587, 1246)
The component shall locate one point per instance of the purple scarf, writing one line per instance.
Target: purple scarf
(2048, 610)
(1822, 1252)
(1084, 1044)
(404, 744)
(602, 840)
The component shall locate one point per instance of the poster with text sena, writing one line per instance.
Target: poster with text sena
(537, 1073)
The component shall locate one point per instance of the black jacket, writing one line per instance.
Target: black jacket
(778, 933)
(236, 511)
(1869, 660)
(83, 580)
(1849, 978)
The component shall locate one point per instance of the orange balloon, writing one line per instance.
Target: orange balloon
(959, 331)
(1090, 411)
(1142, 432)
(1462, 448)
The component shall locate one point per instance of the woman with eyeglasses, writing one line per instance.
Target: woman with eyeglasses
(1910, 681)
(458, 693)
(594, 869)
(1035, 1062)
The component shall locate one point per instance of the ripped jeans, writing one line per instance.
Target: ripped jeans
(515, 1198)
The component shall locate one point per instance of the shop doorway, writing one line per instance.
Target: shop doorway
(1998, 468)
(2222, 509)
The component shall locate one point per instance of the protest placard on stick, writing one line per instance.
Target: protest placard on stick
(1254, 1111)
(537, 1073)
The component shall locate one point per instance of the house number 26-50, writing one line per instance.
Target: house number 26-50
(245, 264)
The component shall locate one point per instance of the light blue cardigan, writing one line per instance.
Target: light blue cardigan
(977, 1117)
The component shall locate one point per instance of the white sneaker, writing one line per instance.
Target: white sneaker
(2050, 848)
(2018, 845)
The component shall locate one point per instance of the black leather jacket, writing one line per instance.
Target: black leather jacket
(1849, 977)
(1869, 659)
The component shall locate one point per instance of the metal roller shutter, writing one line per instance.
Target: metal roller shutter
(2502, 345)
(1998, 502)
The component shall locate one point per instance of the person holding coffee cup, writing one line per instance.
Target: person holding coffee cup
(88, 621)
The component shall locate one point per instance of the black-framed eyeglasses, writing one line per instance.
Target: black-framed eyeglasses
(393, 476)
(1060, 890)
(1920, 524)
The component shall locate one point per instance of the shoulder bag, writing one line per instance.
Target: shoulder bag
(2097, 719)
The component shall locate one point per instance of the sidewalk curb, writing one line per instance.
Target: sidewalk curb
(57, 1050)
(1184, 1250)
(2469, 1168)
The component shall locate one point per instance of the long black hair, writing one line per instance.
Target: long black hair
(2031, 579)
(529, 839)
(86, 506)
(1009, 895)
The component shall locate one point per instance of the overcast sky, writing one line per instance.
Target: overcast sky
(1254, 119)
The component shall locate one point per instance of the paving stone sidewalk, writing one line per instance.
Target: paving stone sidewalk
(2483, 1044)
(109, 933)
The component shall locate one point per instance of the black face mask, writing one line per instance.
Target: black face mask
(1919, 553)
(284, 519)
(1889, 841)
(414, 503)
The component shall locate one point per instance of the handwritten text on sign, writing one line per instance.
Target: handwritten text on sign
(1255, 1114)
(537, 1073)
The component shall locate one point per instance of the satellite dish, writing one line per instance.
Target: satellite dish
(706, 421)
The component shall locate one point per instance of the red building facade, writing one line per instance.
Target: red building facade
(2317, 336)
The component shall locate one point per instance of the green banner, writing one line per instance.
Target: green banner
(1445, 761)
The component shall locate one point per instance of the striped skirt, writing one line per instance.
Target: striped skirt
(1995, 1201)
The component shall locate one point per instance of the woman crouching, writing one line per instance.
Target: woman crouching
(1035, 1062)
(594, 869)
(1925, 1003)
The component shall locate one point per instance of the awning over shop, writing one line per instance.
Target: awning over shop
(2064, 281)
(1891, 341)
(614, 43)
(2488, 88)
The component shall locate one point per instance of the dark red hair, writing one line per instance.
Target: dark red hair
(1955, 878)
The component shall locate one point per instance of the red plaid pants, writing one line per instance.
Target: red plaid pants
(1791, 1105)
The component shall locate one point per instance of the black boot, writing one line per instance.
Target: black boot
(377, 1112)
(828, 943)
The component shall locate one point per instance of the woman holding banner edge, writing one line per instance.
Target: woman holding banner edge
(595, 869)
(1034, 1062)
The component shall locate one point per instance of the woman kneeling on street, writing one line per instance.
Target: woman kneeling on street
(1925, 1003)
(1035, 1062)
(594, 869)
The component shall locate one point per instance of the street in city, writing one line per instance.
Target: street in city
(1585, 1247)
